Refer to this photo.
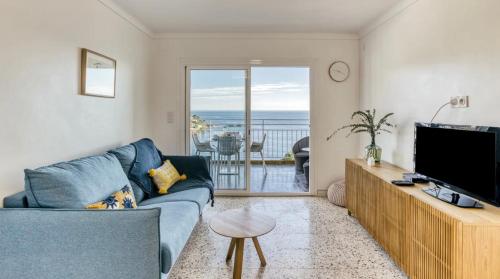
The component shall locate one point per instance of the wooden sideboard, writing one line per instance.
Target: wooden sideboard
(426, 237)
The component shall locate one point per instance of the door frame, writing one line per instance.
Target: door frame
(187, 64)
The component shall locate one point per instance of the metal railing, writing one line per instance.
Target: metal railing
(281, 134)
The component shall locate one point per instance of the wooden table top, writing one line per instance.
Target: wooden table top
(242, 223)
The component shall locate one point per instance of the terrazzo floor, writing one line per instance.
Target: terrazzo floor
(312, 239)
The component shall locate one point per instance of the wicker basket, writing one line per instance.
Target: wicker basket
(336, 193)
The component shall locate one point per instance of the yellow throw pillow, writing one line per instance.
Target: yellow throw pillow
(165, 176)
(118, 200)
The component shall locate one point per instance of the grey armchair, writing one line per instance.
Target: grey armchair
(300, 156)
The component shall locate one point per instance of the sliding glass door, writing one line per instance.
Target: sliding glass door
(218, 122)
(253, 123)
(279, 130)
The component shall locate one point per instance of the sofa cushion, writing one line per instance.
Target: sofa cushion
(126, 156)
(177, 221)
(200, 196)
(17, 200)
(121, 199)
(146, 157)
(76, 183)
(165, 176)
(138, 192)
(197, 169)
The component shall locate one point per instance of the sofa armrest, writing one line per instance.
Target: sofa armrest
(50, 243)
(195, 167)
(18, 200)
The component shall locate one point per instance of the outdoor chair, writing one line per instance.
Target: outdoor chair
(227, 147)
(300, 155)
(258, 147)
(203, 147)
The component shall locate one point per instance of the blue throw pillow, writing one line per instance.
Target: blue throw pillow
(126, 155)
(146, 157)
(74, 184)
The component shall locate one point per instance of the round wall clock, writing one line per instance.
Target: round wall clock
(339, 71)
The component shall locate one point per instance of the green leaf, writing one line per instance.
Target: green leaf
(383, 121)
(363, 121)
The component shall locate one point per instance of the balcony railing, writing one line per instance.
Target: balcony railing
(281, 134)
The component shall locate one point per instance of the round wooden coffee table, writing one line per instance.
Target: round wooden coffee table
(239, 224)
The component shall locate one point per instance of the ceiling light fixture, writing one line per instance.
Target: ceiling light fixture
(255, 62)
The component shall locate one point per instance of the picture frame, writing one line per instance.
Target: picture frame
(98, 74)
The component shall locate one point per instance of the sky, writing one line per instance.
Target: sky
(272, 89)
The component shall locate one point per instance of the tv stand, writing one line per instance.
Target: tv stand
(426, 237)
(452, 197)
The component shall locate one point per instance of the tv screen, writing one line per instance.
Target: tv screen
(464, 159)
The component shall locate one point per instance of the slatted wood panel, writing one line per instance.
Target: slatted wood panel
(353, 178)
(434, 241)
(481, 246)
(367, 203)
(427, 238)
(393, 223)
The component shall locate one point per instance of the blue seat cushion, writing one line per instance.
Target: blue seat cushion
(74, 184)
(126, 156)
(199, 196)
(177, 221)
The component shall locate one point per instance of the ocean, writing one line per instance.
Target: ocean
(278, 119)
(282, 128)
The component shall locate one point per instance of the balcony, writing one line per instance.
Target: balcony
(280, 136)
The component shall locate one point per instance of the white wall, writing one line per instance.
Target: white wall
(416, 61)
(331, 104)
(44, 119)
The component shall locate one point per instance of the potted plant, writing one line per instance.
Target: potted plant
(364, 122)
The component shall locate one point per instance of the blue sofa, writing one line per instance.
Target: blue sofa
(71, 242)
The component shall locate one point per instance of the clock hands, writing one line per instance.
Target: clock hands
(338, 71)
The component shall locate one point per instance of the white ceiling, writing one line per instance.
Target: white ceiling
(255, 16)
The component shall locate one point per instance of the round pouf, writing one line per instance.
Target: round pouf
(336, 193)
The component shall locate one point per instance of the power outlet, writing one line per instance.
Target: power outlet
(170, 117)
(459, 102)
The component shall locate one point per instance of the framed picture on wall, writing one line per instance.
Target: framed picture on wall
(98, 74)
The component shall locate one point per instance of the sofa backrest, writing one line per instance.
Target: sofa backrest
(74, 184)
(126, 156)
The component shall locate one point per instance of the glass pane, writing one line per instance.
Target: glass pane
(280, 129)
(218, 124)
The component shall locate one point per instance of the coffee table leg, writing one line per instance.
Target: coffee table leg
(231, 249)
(238, 263)
(259, 251)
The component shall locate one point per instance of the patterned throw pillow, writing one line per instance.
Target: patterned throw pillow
(165, 176)
(118, 200)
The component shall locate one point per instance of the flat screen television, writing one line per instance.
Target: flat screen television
(462, 158)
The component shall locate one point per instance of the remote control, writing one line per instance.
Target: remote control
(402, 183)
